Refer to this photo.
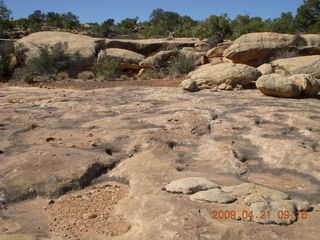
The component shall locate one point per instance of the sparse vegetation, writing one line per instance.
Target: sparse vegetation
(49, 61)
(6, 60)
(105, 68)
(184, 64)
(86, 75)
(62, 75)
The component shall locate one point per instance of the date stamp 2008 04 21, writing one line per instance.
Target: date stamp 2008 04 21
(227, 214)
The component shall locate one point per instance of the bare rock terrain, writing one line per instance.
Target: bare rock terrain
(253, 153)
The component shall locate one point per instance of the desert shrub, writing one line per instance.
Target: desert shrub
(105, 67)
(62, 75)
(24, 73)
(6, 54)
(21, 52)
(50, 58)
(86, 75)
(48, 62)
(184, 64)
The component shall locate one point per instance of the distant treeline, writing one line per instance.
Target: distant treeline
(165, 23)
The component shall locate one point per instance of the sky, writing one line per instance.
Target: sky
(100, 10)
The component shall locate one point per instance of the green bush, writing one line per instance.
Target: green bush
(6, 54)
(48, 62)
(24, 73)
(105, 67)
(184, 64)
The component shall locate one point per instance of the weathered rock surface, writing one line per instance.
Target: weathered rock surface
(81, 49)
(229, 73)
(310, 86)
(278, 85)
(127, 59)
(159, 59)
(255, 49)
(190, 185)
(277, 209)
(265, 69)
(155, 136)
(215, 52)
(125, 56)
(150, 46)
(213, 195)
(189, 85)
(298, 65)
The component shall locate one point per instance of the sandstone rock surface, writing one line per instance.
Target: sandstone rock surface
(82, 49)
(125, 56)
(213, 195)
(147, 47)
(245, 142)
(229, 73)
(288, 86)
(278, 86)
(189, 85)
(255, 49)
(298, 65)
(190, 185)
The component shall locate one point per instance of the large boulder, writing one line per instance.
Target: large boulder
(298, 65)
(150, 46)
(125, 56)
(159, 59)
(127, 59)
(255, 49)
(232, 74)
(310, 86)
(278, 85)
(198, 57)
(81, 49)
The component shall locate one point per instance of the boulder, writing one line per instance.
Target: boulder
(159, 59)
(232, 74)
(127, 59)
(190, 185)
(310, 86)
(254, 49)
(199, 57)
(265, 69)
(298, 65)
(278, 85)
(216, 52)
(189, 85)
(125, 56)
(81, 49)
(148, 47)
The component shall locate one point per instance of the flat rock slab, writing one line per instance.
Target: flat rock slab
(279, 212)
(190, 185)
(213, 195)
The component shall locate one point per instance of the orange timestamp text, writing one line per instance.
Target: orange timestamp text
(249, 214)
